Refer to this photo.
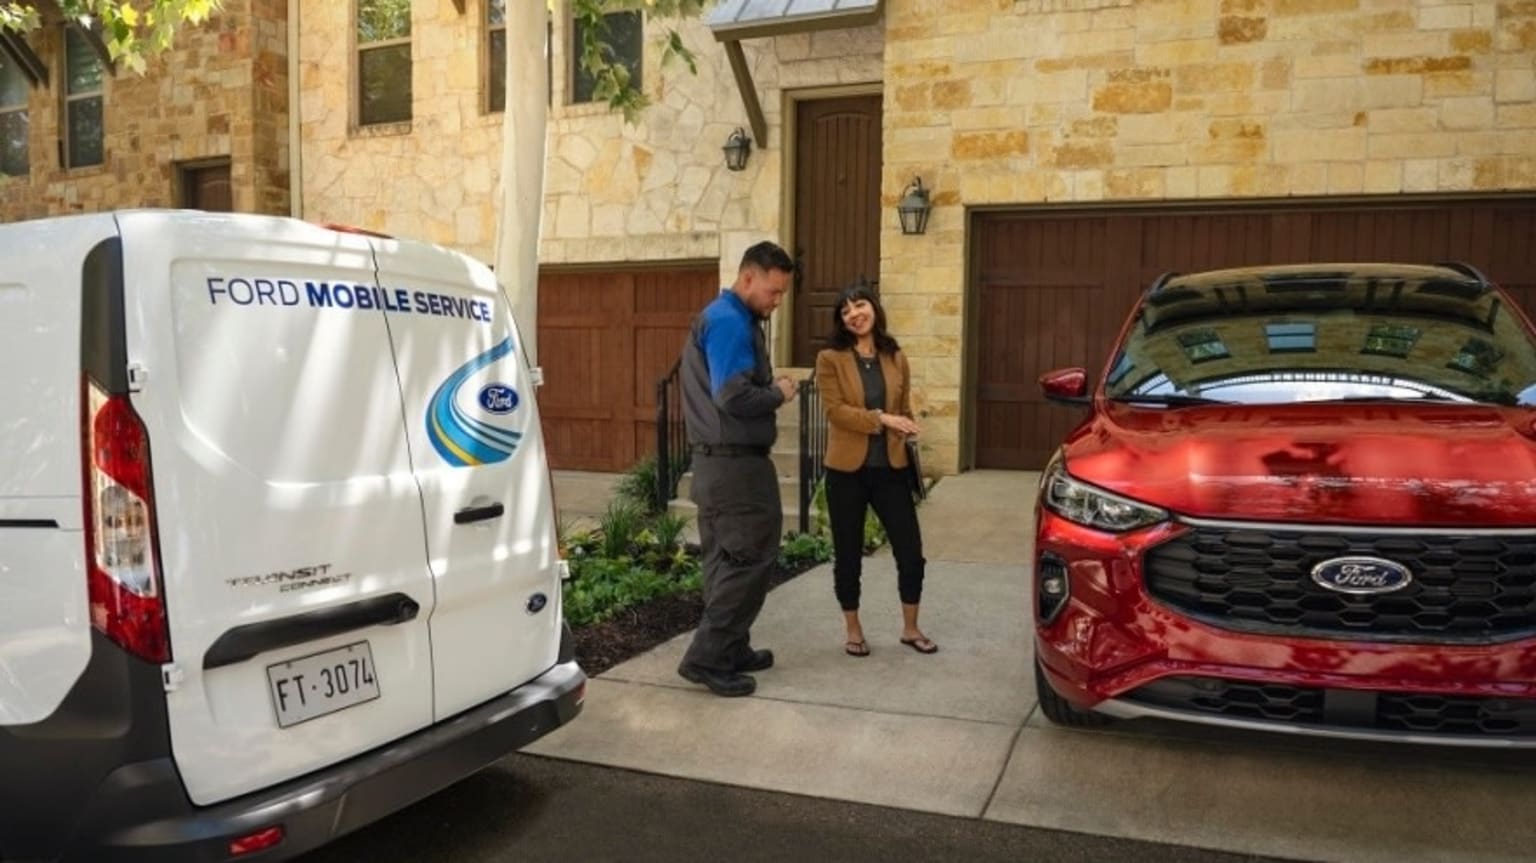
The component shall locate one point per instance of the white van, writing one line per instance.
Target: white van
(277, 539)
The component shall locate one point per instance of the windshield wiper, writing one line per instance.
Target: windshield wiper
(1426, 397)
(1170, 400)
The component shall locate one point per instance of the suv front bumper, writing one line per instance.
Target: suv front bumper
(1116, 649)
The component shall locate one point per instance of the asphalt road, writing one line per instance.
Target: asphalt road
(534, 809)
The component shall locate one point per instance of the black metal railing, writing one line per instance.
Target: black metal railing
(813, 448)
(672, 454)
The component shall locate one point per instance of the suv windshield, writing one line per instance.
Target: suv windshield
(1307, 334)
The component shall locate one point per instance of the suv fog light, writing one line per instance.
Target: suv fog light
(1052, 587)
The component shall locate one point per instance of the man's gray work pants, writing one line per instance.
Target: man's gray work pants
(740, 518)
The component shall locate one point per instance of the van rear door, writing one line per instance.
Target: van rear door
(45, 639)
(478, 451)
(296, 582)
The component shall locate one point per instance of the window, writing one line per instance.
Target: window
(1202, 345)
(14, 121)
(1477, 357)
(383, 61)
(1291, 338)
(1393, 340)
(496, 55)
(84, 83)
(621, 43)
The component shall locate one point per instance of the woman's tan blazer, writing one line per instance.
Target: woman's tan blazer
(849, 423)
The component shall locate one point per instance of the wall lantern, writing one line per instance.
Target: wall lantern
(737, 148)
(913, 208)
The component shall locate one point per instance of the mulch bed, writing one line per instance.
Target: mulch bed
(633, 631)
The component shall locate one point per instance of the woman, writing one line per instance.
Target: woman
(866, 390)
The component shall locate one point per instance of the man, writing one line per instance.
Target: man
(729, 401)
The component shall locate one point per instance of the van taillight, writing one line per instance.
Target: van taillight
(127, 603)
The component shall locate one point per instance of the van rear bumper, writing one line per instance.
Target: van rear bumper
(327, 804)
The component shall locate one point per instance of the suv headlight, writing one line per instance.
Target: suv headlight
(1090, 506)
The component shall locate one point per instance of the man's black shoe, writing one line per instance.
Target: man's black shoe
(760, 660)
(726, 683)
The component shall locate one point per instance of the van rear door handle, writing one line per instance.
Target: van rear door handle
(478, 513)
(244, 642)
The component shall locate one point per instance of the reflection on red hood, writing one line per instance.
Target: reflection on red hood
(1398, 464)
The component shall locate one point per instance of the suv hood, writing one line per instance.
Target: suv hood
(1359, 463)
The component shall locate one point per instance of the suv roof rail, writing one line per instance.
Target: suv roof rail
(1465, 269)
(1162, 281)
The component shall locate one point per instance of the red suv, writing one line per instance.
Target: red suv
(1303, 499)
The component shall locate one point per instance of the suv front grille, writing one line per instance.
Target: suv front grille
(1468, 716)
(1465, 588)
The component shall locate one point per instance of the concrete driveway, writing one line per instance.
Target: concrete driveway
(959, 732)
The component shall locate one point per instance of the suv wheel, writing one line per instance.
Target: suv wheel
(1059, 710)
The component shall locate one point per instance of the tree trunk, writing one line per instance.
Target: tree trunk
(522, 166)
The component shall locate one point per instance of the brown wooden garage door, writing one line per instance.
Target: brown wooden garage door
(1053, 288)
(605, 338)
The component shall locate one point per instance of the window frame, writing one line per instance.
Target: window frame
(488, 61)
(24, 108)
(573, 67)
(360, 47)
(1203, 345)
(66, 127)
(1390, 340)
(1291, 337)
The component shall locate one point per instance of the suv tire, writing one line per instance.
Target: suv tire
(1059, 710)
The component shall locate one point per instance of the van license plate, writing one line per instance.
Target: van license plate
(322, 683)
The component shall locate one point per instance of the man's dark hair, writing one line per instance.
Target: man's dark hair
(768, 256)
(842, 338)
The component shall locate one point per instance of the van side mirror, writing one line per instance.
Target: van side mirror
(537, 375)
(1066, 386)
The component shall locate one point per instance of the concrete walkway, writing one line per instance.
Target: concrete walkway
(959, 732)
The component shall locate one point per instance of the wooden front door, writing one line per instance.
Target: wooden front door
(1054, 288)
(837, 210)
(605, 339)
(206, 187)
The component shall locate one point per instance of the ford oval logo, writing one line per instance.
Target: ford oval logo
(1361, 576)
(537, 602)
(498, 398)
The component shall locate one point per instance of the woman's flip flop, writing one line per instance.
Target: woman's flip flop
(921, 645)
(856, 648)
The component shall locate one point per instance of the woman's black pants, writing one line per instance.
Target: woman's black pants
(848, 494)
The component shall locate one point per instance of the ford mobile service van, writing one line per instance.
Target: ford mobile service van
(277, 543)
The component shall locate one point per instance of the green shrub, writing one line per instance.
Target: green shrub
(620, 527)
(638, 484)
(801, 549)
(668, 529)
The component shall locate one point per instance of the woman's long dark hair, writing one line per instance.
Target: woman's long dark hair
(842, 338)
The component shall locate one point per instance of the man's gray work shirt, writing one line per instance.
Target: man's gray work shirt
(728, 394)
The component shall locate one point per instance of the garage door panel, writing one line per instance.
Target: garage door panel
(1053, 289)
(605, 339)
(572, 359)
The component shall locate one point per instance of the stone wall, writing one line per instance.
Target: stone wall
(1042, 102)
(433, 178)
(659, 189)
(222, 91)
(615, 192)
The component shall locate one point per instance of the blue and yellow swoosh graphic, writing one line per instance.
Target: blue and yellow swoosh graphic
(460, 439)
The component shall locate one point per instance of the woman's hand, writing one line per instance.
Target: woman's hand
(900, 424)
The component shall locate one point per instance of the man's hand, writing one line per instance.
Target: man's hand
(787, 387)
